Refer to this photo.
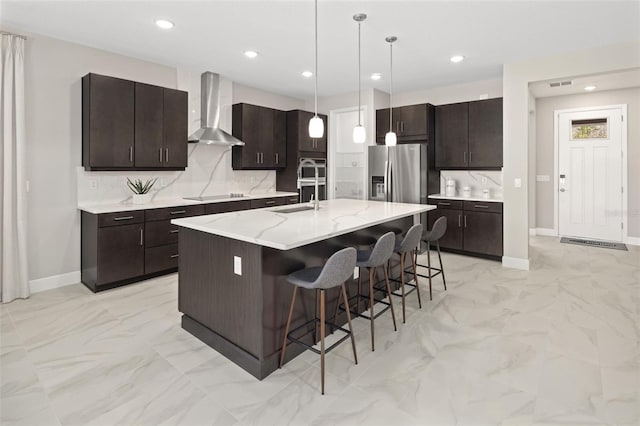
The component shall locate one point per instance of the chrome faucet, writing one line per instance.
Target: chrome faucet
(309, 162)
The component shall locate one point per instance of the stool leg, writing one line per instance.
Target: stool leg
(359, 290)
(373, 345)
(393, 314)
(353, 340)
(414, 261)
(286, 328)
(335, 314)
(322, 319)
(441, 267)
(404, 315)
(429, 268)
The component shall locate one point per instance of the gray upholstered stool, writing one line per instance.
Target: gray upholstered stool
(334, 273)
(433, 236)
(409, 244)
(372, 260)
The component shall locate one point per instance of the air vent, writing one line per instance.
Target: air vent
(561, 83)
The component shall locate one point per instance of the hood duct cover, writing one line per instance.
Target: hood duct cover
(209, 133)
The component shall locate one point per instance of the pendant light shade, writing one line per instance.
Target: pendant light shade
(390, 138)
(316, 125)
(359, 132)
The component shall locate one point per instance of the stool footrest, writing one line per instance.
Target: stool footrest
(431, 275)
(310, 347)
(366, 298)
(411, 290)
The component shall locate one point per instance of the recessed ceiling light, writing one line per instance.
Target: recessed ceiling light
(307, 74)
(164, 24)
(251, 54)
(457, 58)
(376, 76)
(590, 88)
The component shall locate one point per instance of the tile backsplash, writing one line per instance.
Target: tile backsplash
(477, 180)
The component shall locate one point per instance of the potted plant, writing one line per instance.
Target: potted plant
(141, 190)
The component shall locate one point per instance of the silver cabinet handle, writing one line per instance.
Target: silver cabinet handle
(257, 158)
(443, 204)
(160, 150)
(480, 206)
(270, 202)
(123, 218)
(141, 236)
(459, 221)
(173, 256)
(276, 158)
(262, 158)
(131, 154)
(174, 231)
(465, 220)
(166, 155)
(402, 127)
(178, 212)
(470, 160)
(464, 156)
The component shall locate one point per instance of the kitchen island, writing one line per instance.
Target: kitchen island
(233, 292)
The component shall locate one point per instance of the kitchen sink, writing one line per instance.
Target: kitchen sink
(293, 209)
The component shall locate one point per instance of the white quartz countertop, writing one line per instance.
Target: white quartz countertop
(99, 208)
(285, 231)
(458, 197)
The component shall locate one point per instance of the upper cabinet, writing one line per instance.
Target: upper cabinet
(298, 132)
(469, 135)
(412, 123)
(263, 131)
(132, 126)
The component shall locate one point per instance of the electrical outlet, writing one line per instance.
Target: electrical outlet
(356, 273)
(484, 180)
(237, 265)
(93, 184)
(542, 178)
(163, 182)
(517, 182)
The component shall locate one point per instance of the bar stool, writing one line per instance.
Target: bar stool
(409, 244)
(433, 236)
(374, 259)
(334, 273)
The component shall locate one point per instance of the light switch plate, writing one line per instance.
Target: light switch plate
(93, 184)
(542, 178)
(356, 273)
(237, 265)
(517, 182)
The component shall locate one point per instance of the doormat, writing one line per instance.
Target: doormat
(592, 243)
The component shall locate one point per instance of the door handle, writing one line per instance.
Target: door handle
(402, 127)
(562, 190)
(160, 154)
(470, 160)
(131, 154)
(173, 256)
(444, 204)
(459, 221)
(269, 203)
(141, 236)
(174, 231)
(166, 155)
(257, 158)
(464, 156)
(465, 220)
(277, 158)
(479, 206)
(178, 212)
(123, 218)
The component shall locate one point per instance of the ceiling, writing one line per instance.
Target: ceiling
(611, 81)
(214, 34)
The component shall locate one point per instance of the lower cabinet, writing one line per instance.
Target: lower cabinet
(120, 253)
(161, 258)
(472, 227)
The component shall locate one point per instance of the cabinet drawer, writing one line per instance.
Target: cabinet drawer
(160, 258)
(446, 204)
(264, 202)
(480, 206)
(229, 206)
(160, 232)
(292, 200)
(120, 218)
(174, 212)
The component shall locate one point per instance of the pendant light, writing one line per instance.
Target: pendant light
(390, 138)
(359, 132)
(316, 126)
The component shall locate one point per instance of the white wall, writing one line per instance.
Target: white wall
(516, 79)
(451, 94)
(545, 108)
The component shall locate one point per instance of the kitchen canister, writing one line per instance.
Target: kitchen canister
(486, 193)
(450, 188)
(466, 191)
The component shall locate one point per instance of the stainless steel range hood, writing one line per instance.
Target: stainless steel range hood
(209, 133)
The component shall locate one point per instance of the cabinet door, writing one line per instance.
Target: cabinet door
(248, 130)
(266, 138)
(485, 133)
(483, 233)
(120, 253)
(148, 125)
(175, 128)
(413, 120)
(452, 135)
(382, 124)
(452, 239)
(108, 122)
(280, 138)
(305, 143)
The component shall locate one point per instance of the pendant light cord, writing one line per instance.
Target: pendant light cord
(316, 39)
(359, 77)
(391, 87)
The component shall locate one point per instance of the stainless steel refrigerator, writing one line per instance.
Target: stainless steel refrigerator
(402, 173)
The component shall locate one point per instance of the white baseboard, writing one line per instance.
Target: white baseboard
(547, 232)
(515, 263)
(634, 241)
(532, 232)
(54, 281)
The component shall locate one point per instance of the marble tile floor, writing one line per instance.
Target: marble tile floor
(554, 345)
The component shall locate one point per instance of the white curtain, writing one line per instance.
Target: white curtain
(13, 214)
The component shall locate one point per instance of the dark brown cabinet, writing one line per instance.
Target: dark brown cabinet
(469, 135)
(262, 130)
(107, 123)
(411, 123)
(226, 207)
(473, 227)
(298, 132)
(132, 126)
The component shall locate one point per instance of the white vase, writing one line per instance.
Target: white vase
(141, 198)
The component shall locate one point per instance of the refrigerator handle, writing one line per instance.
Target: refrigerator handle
(385, 182)
(389, 186)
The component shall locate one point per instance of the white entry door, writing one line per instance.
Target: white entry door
(590, 174)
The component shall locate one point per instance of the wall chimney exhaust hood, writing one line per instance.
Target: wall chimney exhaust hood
(209, 133)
